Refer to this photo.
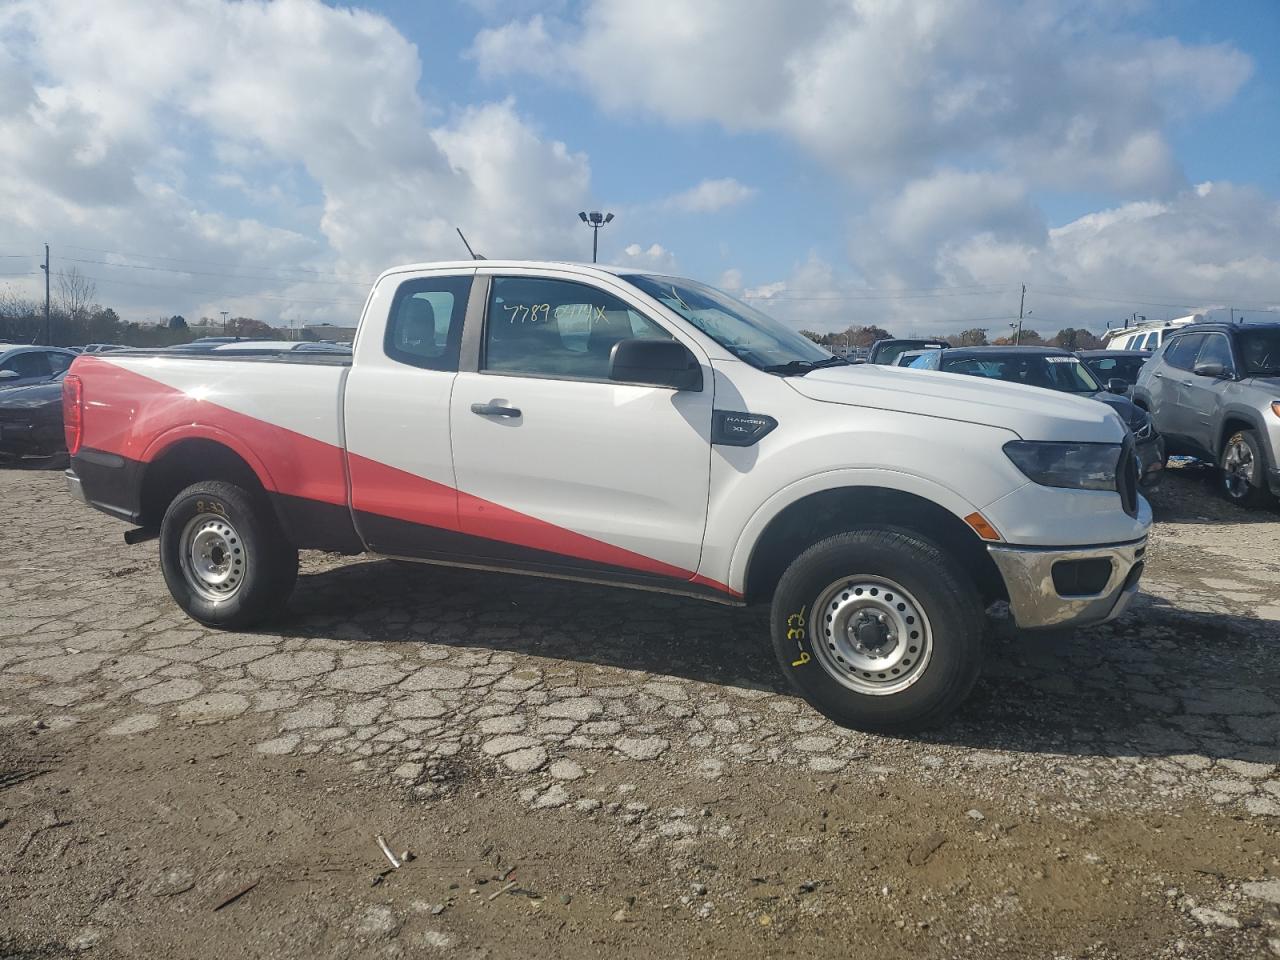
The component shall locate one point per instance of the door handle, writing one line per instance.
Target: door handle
(494, 410)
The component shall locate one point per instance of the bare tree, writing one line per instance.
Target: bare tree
(76, 293)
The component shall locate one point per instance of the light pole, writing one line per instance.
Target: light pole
(595, 220)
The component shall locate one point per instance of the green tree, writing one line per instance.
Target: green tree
(1072, 338)
(252, 329)
(974, 337)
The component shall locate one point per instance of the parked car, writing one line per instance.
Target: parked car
(887, 351)
(1108, 365)
(647, 431)
(282, 346)
(1214, 392)
(1149, 336)
(31, 420)
(23, 365)
(101, 348)
(202, 345)
(1054, 369)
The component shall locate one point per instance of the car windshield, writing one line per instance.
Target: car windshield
(1260, 352)
(742, 330)
(1037, 370)
(890, 353)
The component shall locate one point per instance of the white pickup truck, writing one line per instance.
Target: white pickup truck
(608, 425)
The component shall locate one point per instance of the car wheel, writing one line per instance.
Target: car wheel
(879, 630)
(1243, 475)
(224, 557)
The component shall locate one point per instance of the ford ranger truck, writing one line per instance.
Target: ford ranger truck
(614, 426)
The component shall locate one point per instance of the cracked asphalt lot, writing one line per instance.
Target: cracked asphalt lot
(575, 771)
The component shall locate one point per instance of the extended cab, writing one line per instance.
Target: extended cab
(599, 424)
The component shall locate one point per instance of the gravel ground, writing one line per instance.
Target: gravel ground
(579, 772)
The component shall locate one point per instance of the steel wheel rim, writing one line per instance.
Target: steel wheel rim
(871, 635)
(1237, 468)
(213, 557)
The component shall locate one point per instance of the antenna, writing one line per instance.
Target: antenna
(474, 255)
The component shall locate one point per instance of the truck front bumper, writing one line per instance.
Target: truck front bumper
(1069, 586)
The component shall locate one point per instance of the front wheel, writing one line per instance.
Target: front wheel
(879, 630)
(224, 557)
(1244, 470)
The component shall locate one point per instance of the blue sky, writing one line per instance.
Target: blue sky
(843, 161)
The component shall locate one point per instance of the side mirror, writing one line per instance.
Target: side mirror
(9, 374)
(1118, 385)
(1210, 369)
(655, 363)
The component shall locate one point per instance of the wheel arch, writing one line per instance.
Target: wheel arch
(180, 459)
(812, 510)
(1235, 419)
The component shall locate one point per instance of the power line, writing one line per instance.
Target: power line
(843, 297)
(215, 293)
(206, 273)
(209, 263)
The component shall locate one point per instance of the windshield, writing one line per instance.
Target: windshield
(742, 330)
(892, 350)
(1260, 352)
(1054, 373)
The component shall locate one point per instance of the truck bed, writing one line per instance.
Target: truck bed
(282, 416)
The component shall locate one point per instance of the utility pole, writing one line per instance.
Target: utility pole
(1022, 302)
(1233, 315)
(224, 322)
(48, 327)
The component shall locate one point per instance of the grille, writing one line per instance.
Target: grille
(1127, 478)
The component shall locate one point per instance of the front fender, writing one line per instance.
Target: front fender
(901, 481)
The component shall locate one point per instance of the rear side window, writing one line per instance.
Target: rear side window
(1181, 351)
(557, 328)
(424, 328)
(60, 361)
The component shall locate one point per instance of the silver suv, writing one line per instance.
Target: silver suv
(1214, 393)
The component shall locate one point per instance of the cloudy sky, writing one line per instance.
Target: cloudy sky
(909, 163)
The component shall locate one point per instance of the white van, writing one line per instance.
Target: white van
(1146, 336)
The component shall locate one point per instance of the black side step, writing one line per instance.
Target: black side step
(140, 535)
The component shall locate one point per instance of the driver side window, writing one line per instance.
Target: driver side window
(1216, 349)
(557, 328)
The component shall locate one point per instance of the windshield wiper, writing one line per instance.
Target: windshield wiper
(801, 367)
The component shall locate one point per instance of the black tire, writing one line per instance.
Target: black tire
(1242, 491)
(935, 582)
(266, 569)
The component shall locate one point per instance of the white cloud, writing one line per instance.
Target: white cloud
(709, 196)
(881, 89)
(731, 280)
(1206, 248)
(312, 113)
(653, 257)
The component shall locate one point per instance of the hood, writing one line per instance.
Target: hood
(1033, 413)
(1129, 411)
(32, 395)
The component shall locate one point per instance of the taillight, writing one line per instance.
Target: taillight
(73, 412)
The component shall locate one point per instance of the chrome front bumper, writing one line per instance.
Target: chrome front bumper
(1034, 599)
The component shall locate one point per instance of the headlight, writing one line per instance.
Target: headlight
(1142, 427)
(1081, 466)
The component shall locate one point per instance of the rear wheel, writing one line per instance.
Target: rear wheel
(224, 557)
(879, 630)
(1244, 470)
